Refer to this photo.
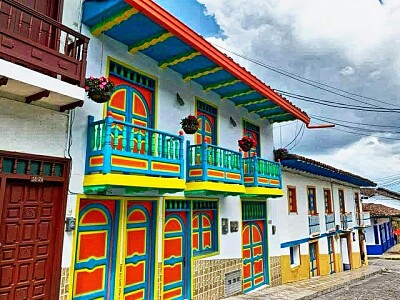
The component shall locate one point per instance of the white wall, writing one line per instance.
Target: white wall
(294, 226)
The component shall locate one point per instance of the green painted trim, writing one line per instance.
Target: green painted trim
(177, 59)
(253, 101)
(201, 72)
(220, 84)
(261, 109)
(126, 191)
(275, 115)
(238, 94)
(155, 39)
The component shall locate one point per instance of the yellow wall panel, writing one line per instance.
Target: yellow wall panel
(300, 272)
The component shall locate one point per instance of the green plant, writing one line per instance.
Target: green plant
(189, 121)
(99, 88)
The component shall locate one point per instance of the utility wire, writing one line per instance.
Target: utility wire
(308, 81)
(298, 141)
(357, 123)
(297, 134)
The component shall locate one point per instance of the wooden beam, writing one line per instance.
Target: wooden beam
(3, 80)
(221, 84)
(37, 96)
(201, 73)
(113, 20)
(71, 105)
(178, 59)
(238, 94)
(276, 115)
(151, 41)
(251, 102)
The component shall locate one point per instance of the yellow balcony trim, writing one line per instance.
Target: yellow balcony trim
(215, 186)
(133, 181)
(113, 21)
(264, 191)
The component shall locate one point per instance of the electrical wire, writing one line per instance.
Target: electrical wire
(308, 81)
(298, 141)
(296, 135)
(357, 123)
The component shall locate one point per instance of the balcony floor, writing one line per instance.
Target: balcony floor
(214, 188)
(254, 192)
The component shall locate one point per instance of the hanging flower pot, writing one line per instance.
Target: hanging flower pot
(246, 143)
(190, 124)
(99, 89)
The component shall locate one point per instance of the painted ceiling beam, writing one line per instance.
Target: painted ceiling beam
(254, 101)
(37, 96)
(238, 94)
(263, 109)
(113, 20)
(275, 115)
(178, 59)
(150, 42)
(201, 73)
(221, 84)
(164, 19)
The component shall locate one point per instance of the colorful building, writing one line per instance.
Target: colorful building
(380, 235)
(319, 222)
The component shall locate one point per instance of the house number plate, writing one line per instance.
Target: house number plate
(38, 179)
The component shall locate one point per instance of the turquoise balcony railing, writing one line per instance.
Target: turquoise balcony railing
(212, 163)
(118, 147)
(260, 172)
(346, 221)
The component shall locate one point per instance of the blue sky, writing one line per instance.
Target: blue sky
(192, 14)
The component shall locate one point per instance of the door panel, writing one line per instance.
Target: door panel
(253, 255)
(97, 232)
(139, 251)
(176, 271)
(313, 259)
(28, 232)
(331, 253)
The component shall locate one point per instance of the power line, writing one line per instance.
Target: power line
(361, 134)
(357, 123)
(296, 135)
(310, 82)
(298, 141)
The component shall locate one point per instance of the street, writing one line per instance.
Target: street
(385, 286)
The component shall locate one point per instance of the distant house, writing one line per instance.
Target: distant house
(379, 237)
(319, 221)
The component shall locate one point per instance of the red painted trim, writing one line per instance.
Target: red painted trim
(156, 13)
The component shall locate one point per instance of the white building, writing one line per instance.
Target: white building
(319, 221)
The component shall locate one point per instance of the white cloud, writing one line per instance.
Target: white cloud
(347, 71)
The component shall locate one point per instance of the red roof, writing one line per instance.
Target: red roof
(180, 30)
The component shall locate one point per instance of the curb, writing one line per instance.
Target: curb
(341, 285)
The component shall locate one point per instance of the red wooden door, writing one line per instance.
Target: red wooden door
(28, 228)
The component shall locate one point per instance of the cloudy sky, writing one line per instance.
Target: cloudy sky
(352, 45)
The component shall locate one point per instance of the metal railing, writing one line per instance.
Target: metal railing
(330, 222)
(346, 221)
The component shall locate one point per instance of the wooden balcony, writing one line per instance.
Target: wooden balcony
(330, 222)
(314, 225)
(262, 177)
(346, 221)
(213, 170)
(363, 219)
(39, 43)
(128, 158)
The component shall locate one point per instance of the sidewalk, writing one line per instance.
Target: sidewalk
(311, 288)
(392, 253)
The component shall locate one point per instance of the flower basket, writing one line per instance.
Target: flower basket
(190, 124)
(99, 89)
(246, 143)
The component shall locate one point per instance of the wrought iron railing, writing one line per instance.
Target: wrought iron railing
(115, 146)
(207, 162)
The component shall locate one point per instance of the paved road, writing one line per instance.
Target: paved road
(385, 286)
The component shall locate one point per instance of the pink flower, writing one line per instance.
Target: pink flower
(91, 77)
(86, 88)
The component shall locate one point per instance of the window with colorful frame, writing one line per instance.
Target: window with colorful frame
(295, 257)
(205, 227)
(312, 201)
(292, 199)
(341, 202)
(253, 131)
(328, 201)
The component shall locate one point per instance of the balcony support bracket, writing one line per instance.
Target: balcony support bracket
(37, 96)
(71, 105)
(3, 80)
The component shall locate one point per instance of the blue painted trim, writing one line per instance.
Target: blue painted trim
(306, 240)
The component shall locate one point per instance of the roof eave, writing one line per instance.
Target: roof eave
(180, 30)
